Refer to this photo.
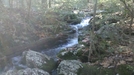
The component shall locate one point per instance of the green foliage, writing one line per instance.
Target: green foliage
(125, 69)
(71, 18)
(71, 4)
(128, 7)
(131, 68)
(94, 70)
(110, 5)
(83, 56)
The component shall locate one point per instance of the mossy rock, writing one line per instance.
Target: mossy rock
(70, 16)
(83, 58)
(94, 70)
(67, 55)
(72, 19)
(49, 66)
(97, 70)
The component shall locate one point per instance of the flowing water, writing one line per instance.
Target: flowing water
(73, 40)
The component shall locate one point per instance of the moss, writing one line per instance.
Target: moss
(49, 66)
(67, 56)
(125, 69)
(88, 70)
(72, 18)
(94, 70)
(81, 56)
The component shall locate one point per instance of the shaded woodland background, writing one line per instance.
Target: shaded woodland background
(27, 21)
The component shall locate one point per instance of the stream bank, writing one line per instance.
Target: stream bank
(72, 39)
(113, 55)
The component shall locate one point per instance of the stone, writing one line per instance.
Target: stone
(69, 67)
(27, 71)
(112, 33)
(35, 59)
(104, 31)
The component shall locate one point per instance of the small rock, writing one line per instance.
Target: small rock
(69, 67)
(131, 53)
(27, 71)
(129, 59)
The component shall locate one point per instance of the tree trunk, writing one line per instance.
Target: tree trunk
(44, 4)
(130, 14)
(49, 4)
(29, 8)
(131, 22)
(92, 46)
(22, 4)
(1, 4)
(11, 3)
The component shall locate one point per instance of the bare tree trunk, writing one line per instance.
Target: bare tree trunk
(43, 1)
(131, 22)
(45, 4)
(28, 14)
(1, 4)
(88, 1)
(92, 46)
(11, 3)
(49, 4)
(29, 8)
(22, 4)
(130, 14)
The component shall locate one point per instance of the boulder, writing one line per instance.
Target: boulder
(72, 19)
(37, 60)
(27, 71)
(74, 53)
(109, 32)
(69, 67)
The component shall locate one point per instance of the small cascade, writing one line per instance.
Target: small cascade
(73, 40)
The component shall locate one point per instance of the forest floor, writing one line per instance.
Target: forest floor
(115, 52)
(19, 27)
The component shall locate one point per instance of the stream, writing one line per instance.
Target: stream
(72, 40)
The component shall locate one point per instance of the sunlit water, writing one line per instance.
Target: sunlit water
(52, 52)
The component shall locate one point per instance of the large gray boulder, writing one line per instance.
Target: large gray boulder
(27, 71)
(108, 31)
(35, 59)
(111, 32)
(69, 67)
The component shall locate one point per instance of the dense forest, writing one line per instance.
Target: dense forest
(66, 37)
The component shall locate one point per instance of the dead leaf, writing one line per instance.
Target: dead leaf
(129, 59)
(121, 62)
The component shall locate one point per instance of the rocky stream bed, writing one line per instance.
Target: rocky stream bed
(45, 62)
